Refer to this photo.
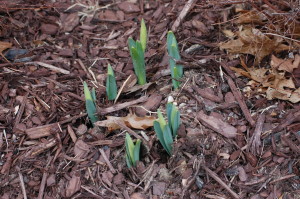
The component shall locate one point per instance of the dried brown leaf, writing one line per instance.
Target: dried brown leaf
(131, 120)
(285, 65)
(251, 17)
(253, 41)
(295, 96)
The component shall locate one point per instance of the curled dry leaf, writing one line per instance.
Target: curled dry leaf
(285, 65)
(253, 41)
(251, 17)
(131, 120)
(278, 86)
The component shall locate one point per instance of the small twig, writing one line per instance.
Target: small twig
(22, 185)
(84, 68)
(238, 96)
(294, 40)
(216, 178)
(98, 174)
(21, 110)
(283, 178)
(44, 179)
(44, 104)
(255, 139)
(122, 87)
(91, 192)
(49, 66)
(118, 107)
(131, 132)
(191, 181)
(268, 180)
(188, 6)
(111, 168)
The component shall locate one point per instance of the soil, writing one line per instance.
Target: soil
(237, 139)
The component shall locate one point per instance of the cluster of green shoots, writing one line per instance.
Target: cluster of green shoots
(132, 151)
(165, 131)
(137, 52)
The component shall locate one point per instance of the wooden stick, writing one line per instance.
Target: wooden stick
(118, 107)
(216, 178)
(239, 99)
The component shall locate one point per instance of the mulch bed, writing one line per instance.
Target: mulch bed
(235, 141)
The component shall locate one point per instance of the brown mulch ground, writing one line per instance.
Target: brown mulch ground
(235, 140)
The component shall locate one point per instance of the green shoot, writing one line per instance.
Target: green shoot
(90, 103)
(138, 60)
(143, 35)
(163, 133)
(132, 151)
(167, 132)
(173, 118)
(173, 51)
(111, 85)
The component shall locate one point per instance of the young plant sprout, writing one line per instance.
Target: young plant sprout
(132, 151)
(143, 35)
(176, 70)
(167, 132)
(173, 118)
(137, 53)
(111, 85)
(90, 103)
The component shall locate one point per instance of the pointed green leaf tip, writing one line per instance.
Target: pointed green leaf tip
(87, 93)
(132, 151)
(138, 60)
(111, 84)
(143, 35)
(176, 70)
(90, 103)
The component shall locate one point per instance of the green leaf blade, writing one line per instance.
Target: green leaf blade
(129, 147)
(139, 63)
(168, 139)
(111, 84)
(173, 51)
(159, 134)
(143, 35)
(90, 103)
(136, 153)
(175, 118)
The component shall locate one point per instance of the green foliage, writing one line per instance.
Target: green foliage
(132, 151)
(111, 85)
(173, 51)
(137, 53)
(166, 132)
(143, 35)
(90, 103)
(138, 60)
(173, 118)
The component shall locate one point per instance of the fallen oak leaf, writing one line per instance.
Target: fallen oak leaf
(253, 41)
(131, 121)
(251, 17)
(295, 97)
(285, 65)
